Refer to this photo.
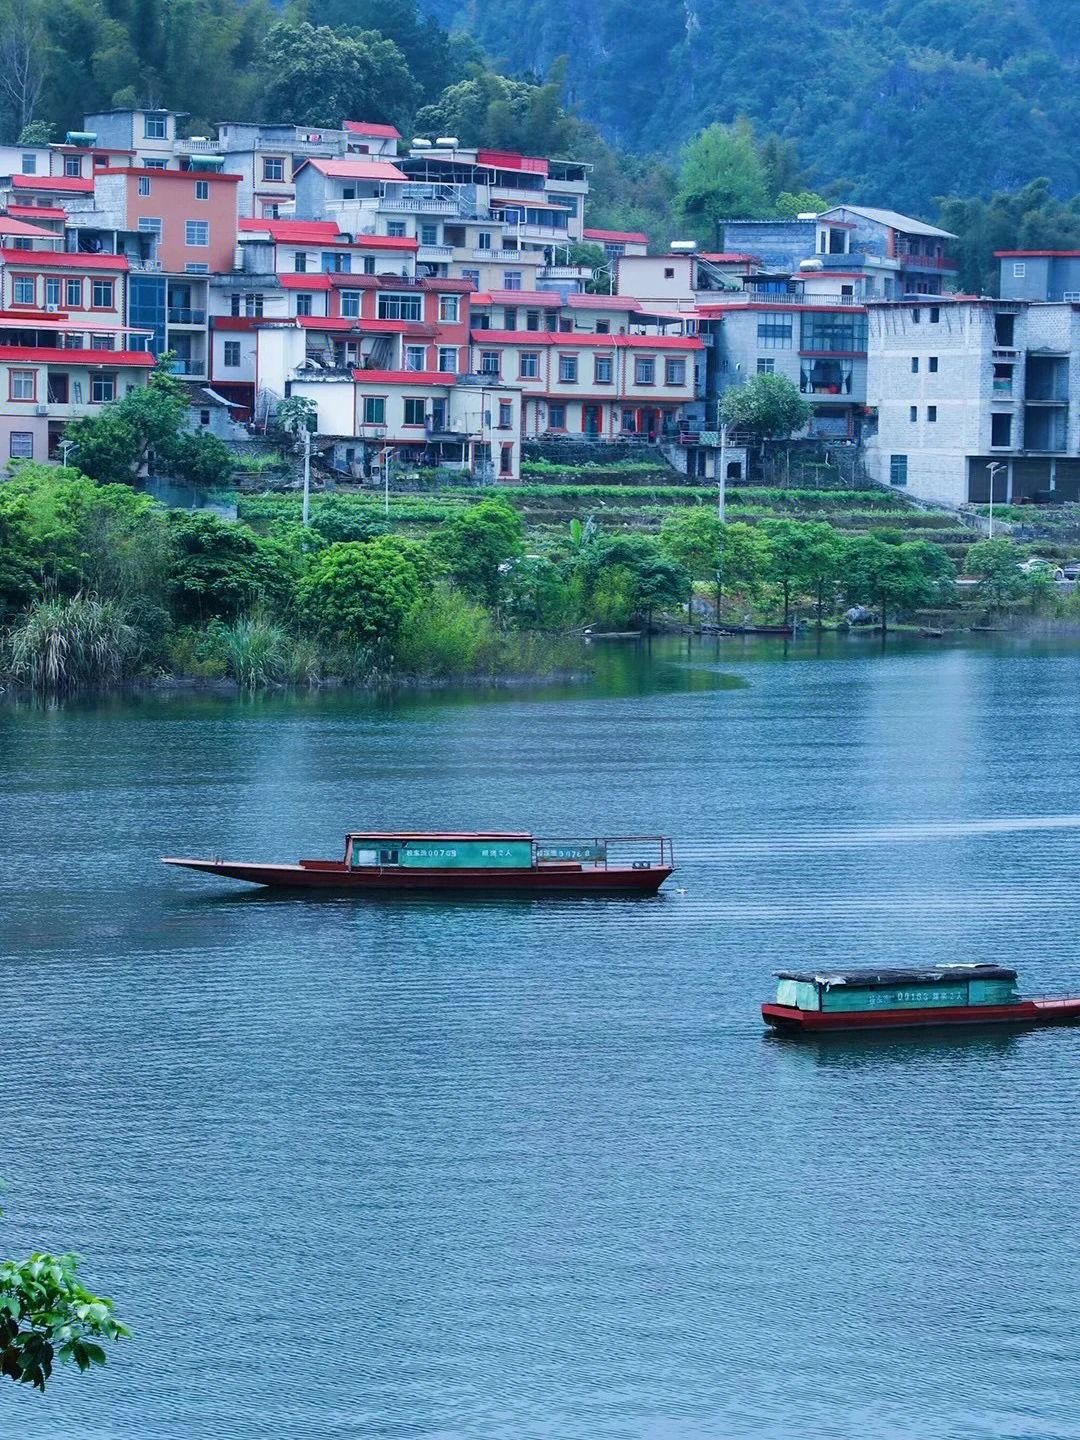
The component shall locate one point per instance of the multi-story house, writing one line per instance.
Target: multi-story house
(148, 135)
(1039, 274)
(617, 243)
(680, 279)
(967, 390)
(65, 346)
(883, 254)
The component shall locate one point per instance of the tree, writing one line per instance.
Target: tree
(789, 205)
(129, 434)
(478, 546)
(824, 563)
(789, 543)
(721, 177)
(46, 1313)
(658, 584)
(896, 576)
(628, 577)
(694, 538)
(1001, 581)
(745, 558)
(220, 569)
(767, 405)
(297, 413)
(201, 459)
(24, 44)
(38, 132)
(359, 592)
(318, 76)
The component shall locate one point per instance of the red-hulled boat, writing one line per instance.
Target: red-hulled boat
(816, 1003)
(474, 862)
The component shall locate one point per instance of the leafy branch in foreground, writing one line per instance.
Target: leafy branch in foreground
(45, 1314)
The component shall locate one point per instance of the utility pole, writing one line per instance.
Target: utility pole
(307, 476)
(722, 477)
(387, 456)
(993, 468)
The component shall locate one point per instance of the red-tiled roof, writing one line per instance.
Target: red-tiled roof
(72, 184)
(527, 339)
(304, 231)
(38, 212)
(187, 175)
(511, 160)
(360, 324)
(603, 302)
(551, 298)
(370, 127)
(304, 282)
(404, 377)
(45, 259)
(730, 257)
(96, 359)
(10, 226)
(617, 237)
(357, 169)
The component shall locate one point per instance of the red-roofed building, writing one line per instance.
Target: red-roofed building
(616, 243)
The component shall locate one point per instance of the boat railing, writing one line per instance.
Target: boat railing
(643, 851)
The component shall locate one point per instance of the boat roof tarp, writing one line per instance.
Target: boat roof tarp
(438, 835)
(926, 975)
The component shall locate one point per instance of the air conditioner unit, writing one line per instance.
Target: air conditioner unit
(41, 410)
(51, 309)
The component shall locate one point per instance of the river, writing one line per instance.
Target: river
(530, 1167)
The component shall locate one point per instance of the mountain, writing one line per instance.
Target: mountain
(890, 101)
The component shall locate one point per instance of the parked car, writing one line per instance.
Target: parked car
(1035, 565)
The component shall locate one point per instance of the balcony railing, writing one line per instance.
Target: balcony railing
(435, 252)
(196, 147)
(416, 203)
(187, 367)
(181, 315)
(504, 257)
(564, 272)
(910, 261)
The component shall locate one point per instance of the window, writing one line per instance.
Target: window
(449, 309)
(510, 317)
(414, 357)
(823, 330)
(916, 317)
(52, 291)
(29, 164)
(22, 291)
(57, 393)
(151, 225)
(669, 272)
(931, 414)
(350, 303)
(675, 372)
(22, 384)
(196, 232)
(154, 127)
(429, 234)
(1019, 269)
(72, 166)
(766, 366)
(774, 333)
(913, 413)
(101, 342)
(603, 327)
(506, 414)
(532, 319)
(103, 295)
(155, 164)
(602, 370)
(300, 262)
(529, 365)
(202, 189)
(1000, 429)
(932, 364)
(473, 276)
(935, 314)
(396, 228)
(145, 185)
(274, 169)
(196, 267)
(250, 305)
(448, 359)
(21, 445)
(556, 417)
(368, 262)
(334, 263)
(506, 460)
(512, 279)
(644, 370)
(204, 417)
(914, 364)
(304, 302)
(897, 469)
(629, 422)
(230, 354)
(102, 389)
(414, 411)
(489, 362)
(374, 410)
(400, 307)
(568, 369)
(483, 240)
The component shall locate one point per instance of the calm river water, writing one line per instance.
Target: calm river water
(531, 1168)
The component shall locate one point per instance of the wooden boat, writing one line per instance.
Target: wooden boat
(473, 862)
(816, 1003)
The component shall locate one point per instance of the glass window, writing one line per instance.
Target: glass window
(489, 362)
(1000, 429)
(529, 365)
(29, 164)
(506, 414)
(414, 357)
(429, 234)
(644, 370)
(154, 127)
(196, 232)
(374, 410)
(914, 364)
(155, 164)
(766, 366)
(52, 291)
(449, 308)
(556, 417)
(230, 354)
(414, 411)
(102, 389)
(602, 370)
(304, 303)
(932, 364)
(774, 333)
(368, 264)
(897, 469)
(532, 319)
(274, 168)
(931, 414)
(72, 166)
(202, 189)
(103, 295)
(396, 229)
(145, 185)
(675, 372)
(506, 460)
(913, 413)
(510, 315)
(473, 276)
(483, 240)
(151, 225)
(350, 303)
(828, 331)
(400, 307)
(101, 342)
(21, 445)
(512, 279)
(568, 369)
(935, 314)
(603, 327)
(196, 267)
(334, 263)
(22, 384)
(23, 290)
(448, 359)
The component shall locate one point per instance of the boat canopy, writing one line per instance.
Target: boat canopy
(438, 835)
(870, 979)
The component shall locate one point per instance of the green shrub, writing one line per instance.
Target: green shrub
(63, 645)
(446, 634)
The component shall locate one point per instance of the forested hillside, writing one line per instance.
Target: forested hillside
(893, 103)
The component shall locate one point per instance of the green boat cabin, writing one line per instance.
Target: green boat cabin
(935, 985)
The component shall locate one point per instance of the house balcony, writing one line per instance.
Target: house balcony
(192, 367)
(196, 147)
(415, 204)
(504, 257)
(181, 315)
(435, 253)
(910, 261)
(564, 272)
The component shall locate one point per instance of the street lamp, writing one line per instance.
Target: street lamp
(993, 468)
(66, 446)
